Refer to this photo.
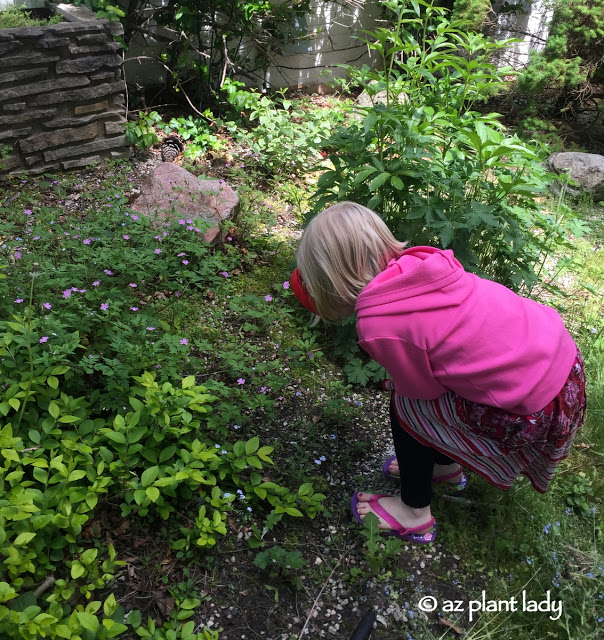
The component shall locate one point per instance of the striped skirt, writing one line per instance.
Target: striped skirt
(494, 443)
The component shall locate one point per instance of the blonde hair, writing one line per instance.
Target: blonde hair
(342, 249)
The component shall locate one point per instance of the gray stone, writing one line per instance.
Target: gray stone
(14, 106)
(48, 42)
(14, 133)
(586, 169)
(367, 100)
(91, 108)
(24, 74)
(26, 33)
(88, 64)
(29, 58)
(80, 162)
(71, 13)
(78, 95)
(92, 38)
(10, 162)
(59, 137)
(80, 27)
(31, 160)
(105, 75)
(27, 116)
(108, 45)
(10, 45)
(48, 87)
(34, 171)
(120, 155)
(172, 192)
(75, 122)
(115, 128)
(89, 147)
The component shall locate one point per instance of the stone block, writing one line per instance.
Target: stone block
(120, 155)
(10, 45)
(26, 116)
(48, 42)
(31, 160)
(91, 38)
(14, 106)
(115, 128)
(10, 162)
(59, 137)
(90, 147)
(55, 123)
(48, 87)
(78, 95)
(24, 74)
(14, 133)
(108, 45)
(94, 26)
(29, 58)
(80, 162)
(87, 64)
(103, 76)
(91, 108)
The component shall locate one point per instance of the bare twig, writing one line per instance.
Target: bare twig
(45, 585)
(314, 604)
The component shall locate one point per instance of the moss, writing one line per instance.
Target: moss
(14, 18)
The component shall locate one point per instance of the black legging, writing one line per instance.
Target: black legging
(415, 462)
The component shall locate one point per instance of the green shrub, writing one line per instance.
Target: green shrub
(14, 18)
(437, 171)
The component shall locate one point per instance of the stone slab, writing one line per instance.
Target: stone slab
(27, 116)
(47, 87)
(88, 64)
(91, 108)
(24, 74)
(77, 95)
(56, 138)
(81, 149)
(80, 162)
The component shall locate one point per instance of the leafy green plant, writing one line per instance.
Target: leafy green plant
(12, 18)
(281, 563)
(282, 138)
(438, 172)
(142, 132)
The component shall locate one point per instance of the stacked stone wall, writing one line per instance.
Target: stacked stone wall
(62, 92)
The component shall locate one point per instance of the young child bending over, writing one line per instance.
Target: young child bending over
(481, 377)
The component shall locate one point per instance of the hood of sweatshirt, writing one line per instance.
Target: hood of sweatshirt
(404, 283)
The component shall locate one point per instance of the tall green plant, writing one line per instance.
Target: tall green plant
(438, 171)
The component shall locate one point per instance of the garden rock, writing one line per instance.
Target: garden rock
(171, 192)
(586, 169)
(367, 100)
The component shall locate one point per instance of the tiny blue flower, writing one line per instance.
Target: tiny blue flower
(332, 436)
(322, 458)
(249, 508)
(236, 426)
(223, 451)
(298, 393)
(317, 462)
(411, 614)
(568, 511)
(547, 528)
(227, 495)
(358, 403)
(590, 575)
(217, 446)
(529, 561)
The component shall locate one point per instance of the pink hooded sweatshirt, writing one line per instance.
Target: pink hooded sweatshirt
(436, 328)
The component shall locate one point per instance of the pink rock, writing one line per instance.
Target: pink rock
(172, 192)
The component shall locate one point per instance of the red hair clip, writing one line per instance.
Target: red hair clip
(301, 292)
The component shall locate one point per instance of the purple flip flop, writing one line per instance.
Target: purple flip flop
(452, 489)
(409, 534)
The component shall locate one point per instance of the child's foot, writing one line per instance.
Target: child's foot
(405, 516)
(439, 471)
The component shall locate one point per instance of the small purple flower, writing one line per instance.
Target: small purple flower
(229, 238)
(181, 254)
(17, 255)
(286, 284)
(27, 212)
(263, 389)
(157, 251)
(104, 306)
(177, 294)
(96, 283)
(36, 237)
(189, 221)
(240, 380)
(133, 308)
(66, 294)
(47, 305)
(185, 262)
(126, 237)
(86, 241)
(134, 217)
(224, 273)
(44, 339)
(133, 285)
(182, 221)
(19, 300)
(184, 341)
(109, 273)
(150, 328)
(268, 298)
